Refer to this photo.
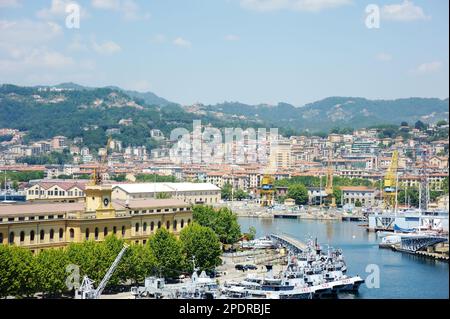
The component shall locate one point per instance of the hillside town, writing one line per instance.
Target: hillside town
(362, 154)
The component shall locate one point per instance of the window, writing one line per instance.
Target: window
(11, 237)
(42, 235)
(22, 236)
(189, 221)
(105, 231)
(1, 238)
(52, 234)
(136, 227)
(168, 225)
(182, 223)
(152, 226)
(159, 225)
(96, 233)
(145, 227)
(61, 233)
(72, 234)
(87, 233)
(123, 230)
(114, 230)
(174, 225)
(32, 235)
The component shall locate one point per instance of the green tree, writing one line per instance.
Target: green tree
(203, 244)
(299, 193)
(138, 263)
(226, 191)
(222, 221)
(251, 234)
(18, 272)
(441, 123)
(420, 125)
(337, 193)
(358, 203)
(240, 194)
(163, 195)
(51, 271)
(167, 252)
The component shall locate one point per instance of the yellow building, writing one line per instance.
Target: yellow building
(46, 225)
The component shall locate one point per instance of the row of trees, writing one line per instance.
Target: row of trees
(315, 181)
(24, 274)
(154, 178)
(50, 158)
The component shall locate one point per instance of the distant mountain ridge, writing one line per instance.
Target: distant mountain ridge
(323, 115)
(337, 112)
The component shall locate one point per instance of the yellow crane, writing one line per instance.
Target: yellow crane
(267, 190)
(390, 183)
(329, 185)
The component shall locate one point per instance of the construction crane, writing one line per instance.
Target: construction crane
(267, 190)
(390, 183)
(87, 290)
(329, 185)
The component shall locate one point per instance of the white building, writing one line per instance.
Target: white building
(194, 193)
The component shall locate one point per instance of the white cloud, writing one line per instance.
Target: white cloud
(107, 47)
(429, 67)
(232, 37)
(77, 44)
(129, 8)
(26, 52)
(405, 11)
(27, 32)
(295, 5)
(385, 57)
(37, 59)
(10, 4)
(182, 42)
(106, 4)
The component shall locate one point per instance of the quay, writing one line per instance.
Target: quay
(433, 247)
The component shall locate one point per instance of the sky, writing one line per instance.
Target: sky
(211, 51)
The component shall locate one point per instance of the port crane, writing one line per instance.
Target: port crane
(390, 183)
(329, 185)
(87, 290)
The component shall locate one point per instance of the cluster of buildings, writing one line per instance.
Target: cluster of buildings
(363, 154)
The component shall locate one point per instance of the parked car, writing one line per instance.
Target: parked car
(251, 267)
(239, 267)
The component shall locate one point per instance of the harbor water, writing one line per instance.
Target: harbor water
(402, 276)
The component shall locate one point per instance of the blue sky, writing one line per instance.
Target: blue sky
(210, 51)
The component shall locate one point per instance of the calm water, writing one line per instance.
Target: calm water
(401, 275)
